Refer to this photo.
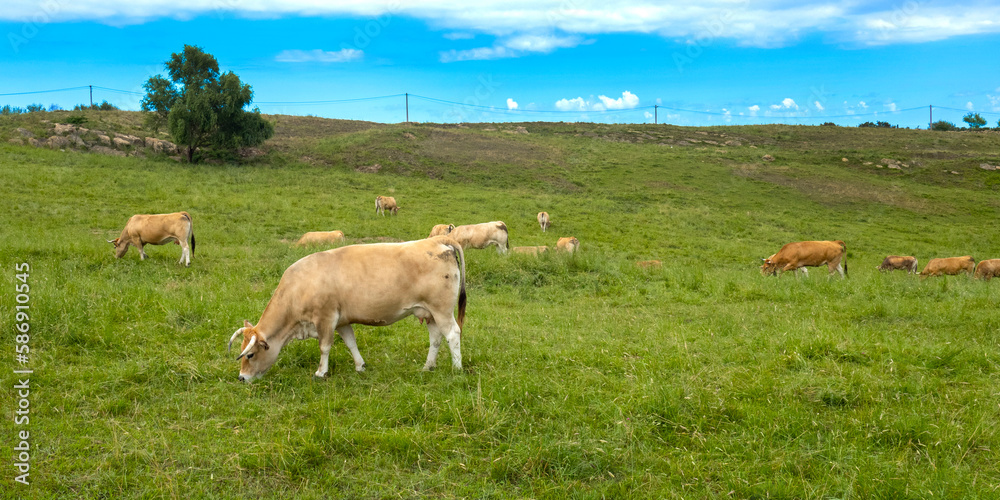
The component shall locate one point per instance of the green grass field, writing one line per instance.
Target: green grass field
(585, 377)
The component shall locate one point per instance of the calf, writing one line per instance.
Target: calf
(543, 220)
(568, 244)
(383, 203)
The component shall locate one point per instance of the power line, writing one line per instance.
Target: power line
(46, 91)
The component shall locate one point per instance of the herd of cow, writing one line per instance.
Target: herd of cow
(379, 284)
(798, 255)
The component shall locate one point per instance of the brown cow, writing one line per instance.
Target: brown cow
(530, 250)
(482, 235)
(949, 265)
(895, 262)
(797, 255)
(320, 237)
(988, 269)
(568, 244)
(441, 230)
(543, 220)
(376, 284)
(383, 203)
(156, 229)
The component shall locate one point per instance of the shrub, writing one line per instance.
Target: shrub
(943, 125)
(974, 120)
(828, 124)
(77, 119)
(878, 125)
(32, 108)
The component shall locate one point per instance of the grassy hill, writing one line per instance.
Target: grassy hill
(585, 376)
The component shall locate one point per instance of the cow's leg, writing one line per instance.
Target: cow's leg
(454, 338)
(185, 255)
(347, 333)
(434, 332)
(325, 336)
(142, 253)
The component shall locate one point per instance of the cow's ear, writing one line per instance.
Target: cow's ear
(246, 324)
(263, 343)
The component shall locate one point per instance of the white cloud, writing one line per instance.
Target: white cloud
(819, 106)
(994, 101)
(786, 103)
(890, 107)
(863, 105)
(577, 104)
(514, 46)
(765, 23)
(459, 36)
(969, 106)
(628, 100)
(317, 55)
(754, 109)
(511, 104)
(647, 115)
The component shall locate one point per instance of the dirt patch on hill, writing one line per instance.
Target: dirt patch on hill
(464, 148)
(837, 192)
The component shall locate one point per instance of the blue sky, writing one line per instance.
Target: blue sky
(717, 62)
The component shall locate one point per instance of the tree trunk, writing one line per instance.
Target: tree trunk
(190, 154)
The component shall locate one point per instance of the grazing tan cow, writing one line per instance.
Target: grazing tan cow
(949, 265)
(441, 230)
(568, 244)
(896, 262)
(987, 269)
(376, 284)
(482, 235)
(320, 237)
(383, 203)
(800, 254)
(543, 220)
(530, 250)
(649, 264)
(156, 229)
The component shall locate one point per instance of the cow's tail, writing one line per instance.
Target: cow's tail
(843, 258)
(190, 230)
(460, 256)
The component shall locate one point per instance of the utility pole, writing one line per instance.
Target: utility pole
(407, 107)
(91, 95)
(930, 124)
(655, 118)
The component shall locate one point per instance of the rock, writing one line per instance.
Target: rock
(121, 143)
(954, 172)
(894, 167)
(768, 158)
(734, 143)
(57, 142)
(65, 128)
(16, 140)
(987, 166)
(409, 135)
(34, 142)
(77, 141)
(104, 150)
(25, 132)
(843, 160)
(104, 140)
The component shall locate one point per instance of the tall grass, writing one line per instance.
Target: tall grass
(584, 375)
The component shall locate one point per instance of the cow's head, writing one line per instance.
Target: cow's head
(256, 356)
(120, 247)
(769, 268)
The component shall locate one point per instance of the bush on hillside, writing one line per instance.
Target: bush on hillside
(943, 126)
(104, 106)
(877, 125)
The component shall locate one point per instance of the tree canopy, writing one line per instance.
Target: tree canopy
(974, 120)
(203, 108)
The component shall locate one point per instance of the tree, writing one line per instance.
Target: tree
(974, 120)
(202, 108)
